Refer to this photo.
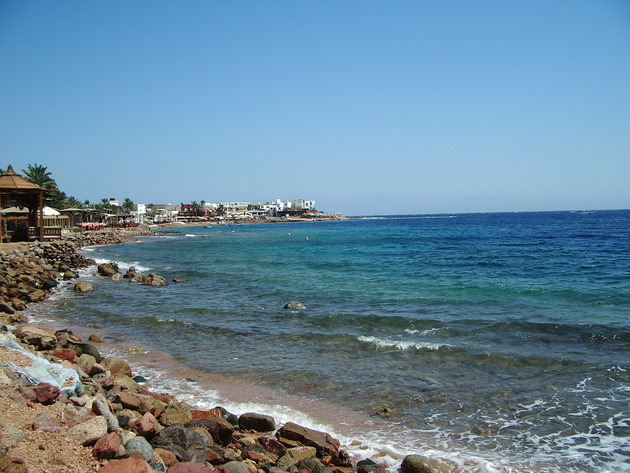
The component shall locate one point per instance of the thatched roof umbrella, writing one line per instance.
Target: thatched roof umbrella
(14, 187)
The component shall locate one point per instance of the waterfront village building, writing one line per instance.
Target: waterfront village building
(163, 213)
(241, 210)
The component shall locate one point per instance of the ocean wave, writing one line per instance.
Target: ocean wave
(401, 344)
(125, 265)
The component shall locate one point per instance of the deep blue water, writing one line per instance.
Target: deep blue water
(505, 334)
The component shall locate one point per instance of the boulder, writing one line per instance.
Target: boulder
(154, 280)
(218, 455)
(37, 295)
(314, 466)
(40, 337)
(176, 413)
(295, 455)
(108, 447)
(100, 407)
(185, 443)
(220, 429)
(235, 467)
(189, 467)
(167, 457)
(294, 305)
(81, 348)
(6, 308)
(70, 275)
(323, 442)
(64, 354)
(147, 426)
(417, 464)
(49, 284)
(88, 432)
(107, 269)
(46, 393)
(139, 446)
(369, 466)
(117, 366)
(83, 286)
(257, 422)
(273, 447)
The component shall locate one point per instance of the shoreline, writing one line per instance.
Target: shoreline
(108, 237)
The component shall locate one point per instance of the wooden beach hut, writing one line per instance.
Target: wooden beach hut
(16, 190)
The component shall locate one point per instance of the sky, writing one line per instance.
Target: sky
(368, 107)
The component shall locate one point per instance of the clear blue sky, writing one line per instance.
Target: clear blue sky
(368, 107)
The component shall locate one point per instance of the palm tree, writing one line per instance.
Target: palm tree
(128, 205)
(72, 203)
(38, 174)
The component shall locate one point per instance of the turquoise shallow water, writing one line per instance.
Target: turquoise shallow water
(508, 334)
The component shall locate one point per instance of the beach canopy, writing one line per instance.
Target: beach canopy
(17, 190)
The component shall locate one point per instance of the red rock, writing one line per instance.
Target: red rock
(256, 457)
(128, 465)
(107, 447)
(46, 393)
(273, 447)
(167, 456)
(130, 401)
(189, 467)
(147, 426)
(64, 354)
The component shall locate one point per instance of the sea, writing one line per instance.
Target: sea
(488, 342)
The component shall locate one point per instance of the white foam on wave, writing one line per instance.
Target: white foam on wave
(125, 265)
(401, 344)
(430, 331)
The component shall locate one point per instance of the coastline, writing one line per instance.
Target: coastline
(334, 464)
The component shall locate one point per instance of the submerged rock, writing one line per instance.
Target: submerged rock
(83, 286)
(294, 305)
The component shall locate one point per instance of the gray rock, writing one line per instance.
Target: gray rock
(139, 445)
(235, 467)
(81, 348)
(257, 422)
(369, 466)
(186, 444)
(315, 466)
(99, 406)
(294, 305)
(70, 275)
(6, 308)
(417, 464)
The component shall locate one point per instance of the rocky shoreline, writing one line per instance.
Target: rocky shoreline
(66, 408)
